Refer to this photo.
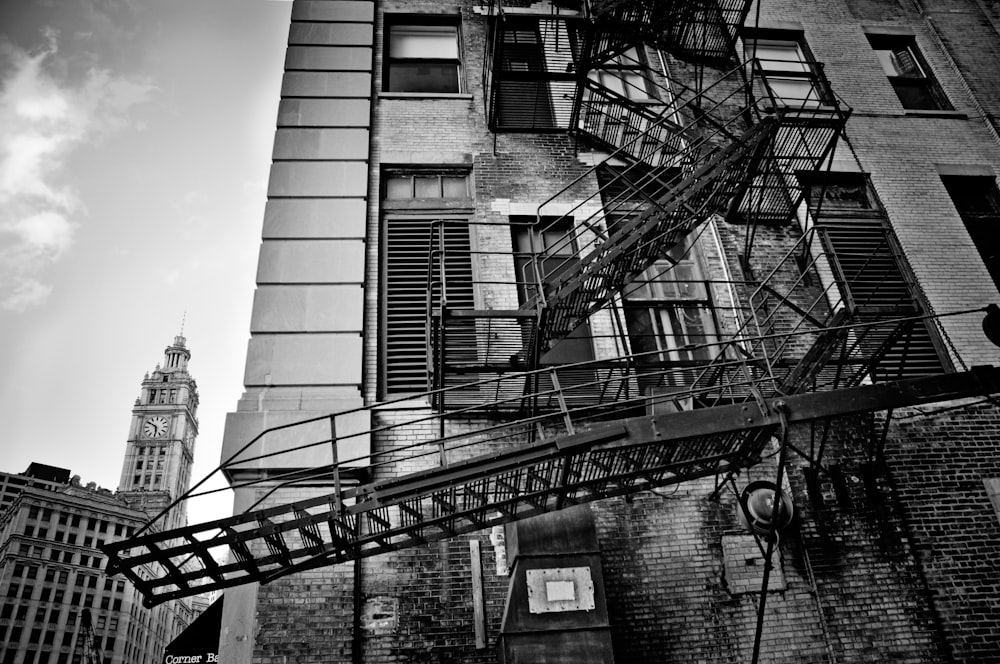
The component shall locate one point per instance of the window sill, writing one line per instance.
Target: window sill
(425, 95)
(920, 113)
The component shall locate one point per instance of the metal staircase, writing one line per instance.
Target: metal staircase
(732, 148)
(483, 478)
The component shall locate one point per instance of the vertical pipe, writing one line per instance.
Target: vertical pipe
(773, 536)
(356, 653)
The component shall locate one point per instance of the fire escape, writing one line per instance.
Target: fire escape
(832, 326)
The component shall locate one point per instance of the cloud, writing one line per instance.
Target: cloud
(25, 294)
(45, 118)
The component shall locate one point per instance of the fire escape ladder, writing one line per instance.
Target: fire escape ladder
(483, 487)
(635, 242)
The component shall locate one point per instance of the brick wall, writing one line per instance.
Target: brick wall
(886, 567)
(938, 464)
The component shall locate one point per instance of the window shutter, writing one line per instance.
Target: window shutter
(407, 259)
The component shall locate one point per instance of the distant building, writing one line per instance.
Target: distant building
(51, 569)
(37, 475)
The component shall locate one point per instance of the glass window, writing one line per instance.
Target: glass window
(668, 309)
(422, 58)
(977, 200)
(908, 73)
(624, 75)
(401, 185)
(788, 74)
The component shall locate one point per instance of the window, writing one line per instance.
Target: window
(668, 309)
(855, 229)
(425, 185)
(790, 76)
(550, 244)
(978, 203)
(624, 75)
(415, 203)
(422, 57)
(909, 74)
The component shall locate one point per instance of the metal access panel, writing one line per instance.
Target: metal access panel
(560, 589)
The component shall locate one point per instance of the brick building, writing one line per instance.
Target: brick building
(624, 267)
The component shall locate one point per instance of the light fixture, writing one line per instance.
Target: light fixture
(756, 512)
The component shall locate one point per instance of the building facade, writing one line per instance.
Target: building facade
(52, 571)
(51, 568)
(37, 475)
(644, 260)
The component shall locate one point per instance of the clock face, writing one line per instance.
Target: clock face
(155, 427)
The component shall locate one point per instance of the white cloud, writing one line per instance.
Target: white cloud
(26, 293)
(45, 119)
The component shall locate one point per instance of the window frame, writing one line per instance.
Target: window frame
(626, 69)
(926, 82)
(391, 62)
(805, 70)
(976, 219)
(662, 307)
(401, 210)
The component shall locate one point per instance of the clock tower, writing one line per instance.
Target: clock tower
(160, 448)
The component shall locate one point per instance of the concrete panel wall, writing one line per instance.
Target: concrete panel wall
(310, 308)
(317, 178)
(303, 359)
(323, 112)
(321, 144)
(304, 354)
(303, 218)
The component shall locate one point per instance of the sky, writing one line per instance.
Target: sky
(135, 142)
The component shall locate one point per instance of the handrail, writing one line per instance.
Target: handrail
(463, 440)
